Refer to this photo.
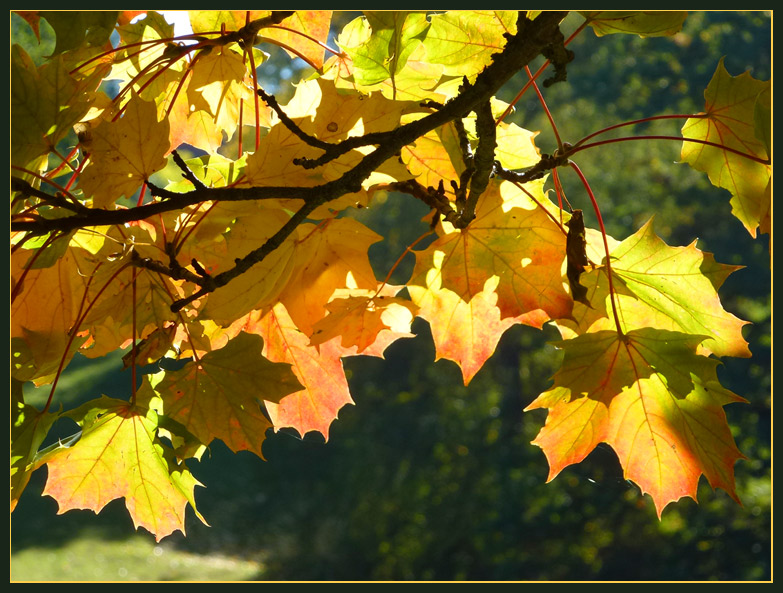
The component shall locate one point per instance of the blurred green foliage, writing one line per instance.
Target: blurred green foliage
(427, 479)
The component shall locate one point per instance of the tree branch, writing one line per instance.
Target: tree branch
(529, 41)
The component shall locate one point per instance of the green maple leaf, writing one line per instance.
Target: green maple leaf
(656, 285)
(656, 402)
(464, 41)
(74, 29)
(46, 102)
(643, 23)
(736, 108)
(29, 428)
(119, 455)
(386, 47)
(219, 394)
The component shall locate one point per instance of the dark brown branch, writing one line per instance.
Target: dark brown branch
(434, 198)
(186, 172)
(558, 56)
(529, 41)
(289, 123)
(23, 187)
(537, 171)
(483, 160)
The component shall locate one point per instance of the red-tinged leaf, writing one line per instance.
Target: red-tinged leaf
(465, 332)
(218, 395)
(29, 428)
(32, 17)
(39, 341)
(119, 455)
(303, 35)
(514, 240)
(673, 288)
(644, 23)
(319, 369)
(125, 153)
(358, 319)
(734, 118)
(656, 402)
(328, 257)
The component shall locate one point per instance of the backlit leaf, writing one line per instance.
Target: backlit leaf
(463, 41)
(653, 400)
(328, 257)
(119, 455)
(643, 23)
(319, 369)
(46, 103)
(519, 244)
(218, 396)
(732, 105)
(29, 428)
(125, 153)
(672, 288)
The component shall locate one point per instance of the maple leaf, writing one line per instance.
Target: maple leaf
(113, 313)
(119, 455)
(672, 288)
(320, 110)
(656, 402)
(464, 332)
(139, 48)
(219, 78)
(516, 241)
(303, 35)
(463, 41)
(516, 147)
(435, 158)
(383, 54)
(319, 369)
(125, 153)
(46, 103)
(29, 428)
(251, 225)
(414, 82)
(84, 27)
(328, 256)
(218, 394)
(361, 315)
(734, 118)
(640, 22)
(40, 341)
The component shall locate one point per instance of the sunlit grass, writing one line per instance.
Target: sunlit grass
(92, 558)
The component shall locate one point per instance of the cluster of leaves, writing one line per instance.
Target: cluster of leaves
(248, 268)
